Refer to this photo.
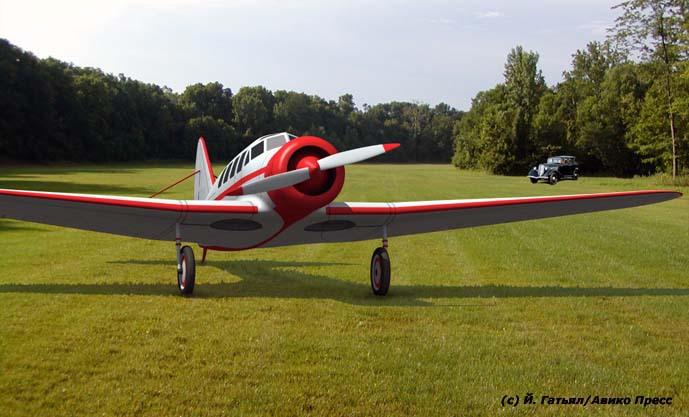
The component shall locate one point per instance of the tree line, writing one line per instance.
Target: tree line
(54, 111)
(622, 108)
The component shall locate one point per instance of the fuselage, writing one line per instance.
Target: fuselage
(280, 209)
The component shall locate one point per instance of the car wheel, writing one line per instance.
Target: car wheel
(576, 174)
(552, 179)
(533, 180)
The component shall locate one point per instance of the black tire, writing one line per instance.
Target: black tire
(552, 179)
(380, 271)
(186, 277)
(533, 180)
(576, 174)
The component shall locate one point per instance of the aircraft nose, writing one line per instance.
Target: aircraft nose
(319, 179)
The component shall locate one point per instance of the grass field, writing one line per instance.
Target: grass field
(594, 304)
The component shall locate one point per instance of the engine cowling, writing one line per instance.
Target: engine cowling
(297, 201)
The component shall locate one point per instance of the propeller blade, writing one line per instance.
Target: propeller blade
(296, 176)
(276, 181)
(355, 155)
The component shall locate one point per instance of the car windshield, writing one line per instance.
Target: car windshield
(554, 160)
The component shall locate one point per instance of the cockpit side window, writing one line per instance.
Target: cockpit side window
(275, 142)
(219, 177)
(227, 173)
(257, 150)
(240, 162)
(234, 168)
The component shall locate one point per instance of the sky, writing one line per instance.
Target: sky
(387, 50)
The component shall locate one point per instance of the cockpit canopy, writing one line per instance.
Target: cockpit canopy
(271, 141)
(259, 146)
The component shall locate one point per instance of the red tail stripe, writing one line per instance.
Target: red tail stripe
(208, 160)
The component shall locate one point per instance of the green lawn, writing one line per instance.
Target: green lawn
(594, 304)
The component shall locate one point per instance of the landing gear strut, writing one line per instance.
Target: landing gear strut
(186, 266)
(380, 267)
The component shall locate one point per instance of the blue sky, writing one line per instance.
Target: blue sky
(429, 51)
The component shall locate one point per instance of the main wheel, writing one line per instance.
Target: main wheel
(186, 276)
(380, 271)
(552, 179)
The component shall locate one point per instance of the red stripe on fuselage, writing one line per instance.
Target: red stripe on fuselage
(237, 185)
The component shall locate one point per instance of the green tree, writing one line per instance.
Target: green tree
(295, 112)
(345, 104)
(590, 105)
(210, 99)
(94, 94)
(498, 133)
(220, 137)
(485, 136)
(50, 110)
(253, 111)
(524, 85)
(439, 146)
(416, 119)
(648, 136)
(656, 30)
(549, 130)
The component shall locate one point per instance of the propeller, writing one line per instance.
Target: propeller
(354, 155)
(296, 176)
(276, 181)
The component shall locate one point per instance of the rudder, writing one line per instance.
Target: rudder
(204, 179)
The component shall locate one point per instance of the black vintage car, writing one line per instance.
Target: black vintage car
(557, 168)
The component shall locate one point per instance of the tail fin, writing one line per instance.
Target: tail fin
(203, 181)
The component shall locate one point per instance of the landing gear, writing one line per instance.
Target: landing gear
(186, 266)
(380, 267)
(186, 275)
(380, 271)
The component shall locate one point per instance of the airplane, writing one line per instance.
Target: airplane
(280, 191)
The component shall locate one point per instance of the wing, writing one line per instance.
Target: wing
(127, 216)
(347, 222)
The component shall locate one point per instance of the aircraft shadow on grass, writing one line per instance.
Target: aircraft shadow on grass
(14, 225)
(274, 279)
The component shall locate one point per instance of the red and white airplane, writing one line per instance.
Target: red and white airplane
(279, 191)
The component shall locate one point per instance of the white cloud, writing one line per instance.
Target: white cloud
(441, 21)
(491, 14)
(595, 27)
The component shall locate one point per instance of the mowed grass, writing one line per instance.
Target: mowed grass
(594, 304)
